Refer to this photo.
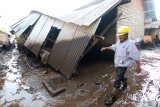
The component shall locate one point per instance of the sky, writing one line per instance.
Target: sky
(15, 10)
(157, 7)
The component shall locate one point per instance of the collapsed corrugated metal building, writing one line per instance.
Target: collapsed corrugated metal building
(63, 42)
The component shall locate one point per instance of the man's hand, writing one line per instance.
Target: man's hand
(138, 68)
(103, 49)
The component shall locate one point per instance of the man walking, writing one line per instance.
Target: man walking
(125, 52)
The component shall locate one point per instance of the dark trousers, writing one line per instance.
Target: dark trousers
(120, 72)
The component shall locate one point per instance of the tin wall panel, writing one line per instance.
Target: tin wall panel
(35, 32)
(62, 45)
(19, 22)
(42, 36)
(78, 45)
(18, 25)
(30, 20)
(58, 24)
(34, 18)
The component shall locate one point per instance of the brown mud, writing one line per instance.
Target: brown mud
(21, 85)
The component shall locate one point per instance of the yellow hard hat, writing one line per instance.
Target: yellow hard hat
(122, 30)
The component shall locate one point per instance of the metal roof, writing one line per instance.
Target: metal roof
(153, 25)
(86, 15)
(23, 24)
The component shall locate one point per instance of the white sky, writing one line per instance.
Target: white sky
(157, 6)
(14, 10)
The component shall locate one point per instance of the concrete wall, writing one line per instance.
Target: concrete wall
(133, 14)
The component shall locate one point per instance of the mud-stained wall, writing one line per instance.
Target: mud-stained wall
(4, 39)
(133, 16)
(147, 38)
(155, 35)
(152, 36)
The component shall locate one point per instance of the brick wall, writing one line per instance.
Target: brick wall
(133, 14)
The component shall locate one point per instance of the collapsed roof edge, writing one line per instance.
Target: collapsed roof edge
(85, 16)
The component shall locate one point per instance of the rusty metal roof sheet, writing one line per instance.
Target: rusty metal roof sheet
(153, 25)
(89, 13)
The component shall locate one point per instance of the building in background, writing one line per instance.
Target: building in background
(150, 13)
(152, 26)
(152, 34)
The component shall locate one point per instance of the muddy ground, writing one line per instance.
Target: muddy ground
(21, 83)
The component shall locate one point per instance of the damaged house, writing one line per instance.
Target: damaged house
(63, 42)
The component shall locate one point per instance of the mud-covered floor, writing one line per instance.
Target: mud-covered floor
(21, 84)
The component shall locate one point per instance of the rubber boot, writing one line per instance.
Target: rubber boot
(115, 94)
(112, 97)
(124, 84)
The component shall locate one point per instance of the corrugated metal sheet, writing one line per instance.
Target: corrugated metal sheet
(42, 36)
(153, 25)
(44, 32)
(22, 20)
(22, 25)
(78, 45)
(62, 45)
(35, 32)
(19, 22)
(18, 25)
(69, 47)
(88, 15)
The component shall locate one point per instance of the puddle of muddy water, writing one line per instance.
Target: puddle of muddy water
(16, 90)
